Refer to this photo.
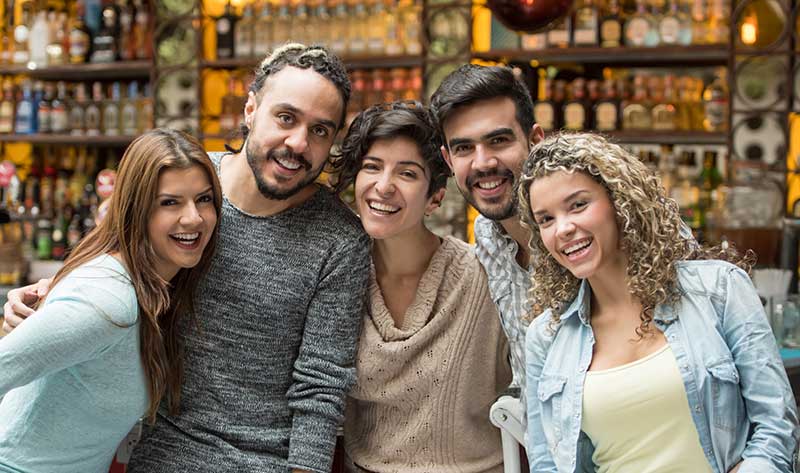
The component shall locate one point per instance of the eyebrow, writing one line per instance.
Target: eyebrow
(402, 163)
(492, 134)
(291, 108)
(174, 196)
(566, 199)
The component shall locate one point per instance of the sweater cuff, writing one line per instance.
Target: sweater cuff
(312, 443)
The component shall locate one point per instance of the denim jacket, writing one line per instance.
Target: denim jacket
(739, 396)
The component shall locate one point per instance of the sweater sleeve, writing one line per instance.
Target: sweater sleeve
(76, 324)
(325, 368)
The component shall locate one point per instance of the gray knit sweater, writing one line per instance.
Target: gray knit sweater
(267, 370)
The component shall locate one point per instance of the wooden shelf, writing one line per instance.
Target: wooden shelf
(86, 71)
(352, 62)
(667, 137)
(623, 56)
(53, 139)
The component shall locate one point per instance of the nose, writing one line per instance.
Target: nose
(190, 215)
(485, 160)
(565, 228)
(297, 140)
(384, 185)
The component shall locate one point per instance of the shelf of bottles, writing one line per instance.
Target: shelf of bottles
(606, 32)
(48, 207)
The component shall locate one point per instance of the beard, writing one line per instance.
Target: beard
(504, 207)
(275, 192)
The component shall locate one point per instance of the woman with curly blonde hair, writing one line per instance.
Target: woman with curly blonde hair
(651, 353)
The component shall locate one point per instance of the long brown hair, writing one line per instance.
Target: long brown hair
(124, 231)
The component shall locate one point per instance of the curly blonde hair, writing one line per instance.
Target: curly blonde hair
(649, 225)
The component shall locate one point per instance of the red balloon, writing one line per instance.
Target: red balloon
(530, 16)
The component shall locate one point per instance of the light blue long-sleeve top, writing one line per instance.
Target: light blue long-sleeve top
(71, 376)
(739, 396)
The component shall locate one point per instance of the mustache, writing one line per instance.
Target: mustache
(289, 155)
(483, 174)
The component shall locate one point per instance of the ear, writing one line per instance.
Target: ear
(536, 134)
(447, 158)
(435, 201)
(250, 109)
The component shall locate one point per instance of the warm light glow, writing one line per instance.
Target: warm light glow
(749, 30)
(528, 2)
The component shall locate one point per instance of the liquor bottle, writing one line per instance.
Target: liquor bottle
(559, 97)
(7, 107)
(43, 107)
(410, 21)
(669, 27)
(715, 103)
(606, 109)
(142, 32)
(707, 183)
(56, 54)
(414, 91)
(59, 238)
(25, 116)
(559, 36)
(44, 238)
(282, 25)
(144, 110)
(229, 115)
(245, 31)
(356, 102)
(104, 43)
(584, 31)
(262, 34)
(533, 42)
(374, 93)
(22, 36)
(577, 111)
(376, 28)
(226, 29)
(544, 111)
(300, 31)
(684, 103)
(77, 111)
(128, 112)
(92, 113)
(59, 121)
(611, 26)
(665, 113)
(111, 115)
(80, 39)
(700, 29)
(359, 28)
(127, 43)
(719, 22)
(639, 27)
(636, 114)
(394, 44)
(39, 39)
(338, 32)
(6, 44)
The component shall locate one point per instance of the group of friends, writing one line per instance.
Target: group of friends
(246, 313)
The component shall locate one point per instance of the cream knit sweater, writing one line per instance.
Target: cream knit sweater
(422, 399)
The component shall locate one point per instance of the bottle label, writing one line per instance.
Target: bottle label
(611, 33)
(668, 29)
(637, 31)
(544, 116)
(558, 37)
(534, 41)
(21, 34)
(574, 116)
(58, 120)
(606, 116)
(223, 26)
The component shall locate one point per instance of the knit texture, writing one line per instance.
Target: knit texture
(272, 357)
(421, 404)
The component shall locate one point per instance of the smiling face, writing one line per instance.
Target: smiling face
(182, 219)
(577, 224)
(391, 188)
(292, 122)
(485, 149)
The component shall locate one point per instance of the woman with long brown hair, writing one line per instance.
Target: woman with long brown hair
(102, 350)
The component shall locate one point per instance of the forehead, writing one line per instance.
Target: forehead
(399, 148)
(476, 119)
(305, 89)
(173, 180)
(556, 186)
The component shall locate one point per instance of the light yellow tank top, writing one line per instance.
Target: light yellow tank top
(638, 419)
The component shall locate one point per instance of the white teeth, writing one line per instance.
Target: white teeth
(383, 207)
(577, 247)
(490, 185)
(186, 236)
(288, 164)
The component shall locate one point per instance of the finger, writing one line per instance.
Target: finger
(43, 286)
(10, 320)
(18, 308)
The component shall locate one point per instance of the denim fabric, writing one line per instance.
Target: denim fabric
(739, 396)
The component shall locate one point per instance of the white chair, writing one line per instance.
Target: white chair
(506, 414)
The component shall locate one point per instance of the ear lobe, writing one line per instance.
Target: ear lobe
(435, 201)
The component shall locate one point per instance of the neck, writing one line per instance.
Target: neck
(406, 255)
(513, 226)
(610, 292)
(239, 186)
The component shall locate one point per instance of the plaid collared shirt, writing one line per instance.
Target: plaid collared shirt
(509, 285)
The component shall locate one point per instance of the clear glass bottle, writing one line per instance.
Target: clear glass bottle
(639, 27)
(111, 111)
(244, 33)
(76, 109)
(665, 113)
(359, 29)
(410, 22)
(22, 35)
(636, 113)
(262, 35)
(59, 120)
(715, 103)
(700, 30)
(339, 27)
(25, 116)
(128, 112)
(282, 25)
(7, 107)
(92, 113)
(394, 45)
(376, 29)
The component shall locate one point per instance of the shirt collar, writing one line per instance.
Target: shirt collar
(581, 304)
